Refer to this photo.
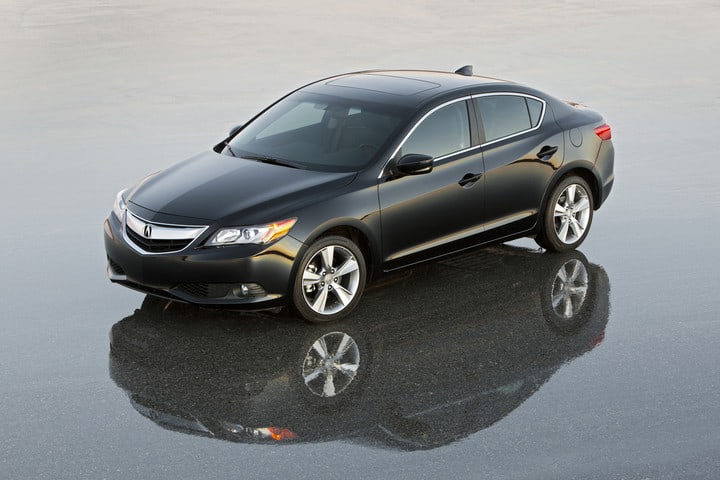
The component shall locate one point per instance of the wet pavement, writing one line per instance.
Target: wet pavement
(477, 366)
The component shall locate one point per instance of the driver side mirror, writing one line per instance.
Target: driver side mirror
(415, 164)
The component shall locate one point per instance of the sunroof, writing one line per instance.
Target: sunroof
(384, 83)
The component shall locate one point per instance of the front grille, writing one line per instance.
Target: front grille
(150, 237)
(156, 245)
(221, 290)
(198, 289)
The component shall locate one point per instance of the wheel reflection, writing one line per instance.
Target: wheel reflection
(569, 289)
(331, 364)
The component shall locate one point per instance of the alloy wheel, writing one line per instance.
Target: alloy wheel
(330, 280)
(572, 214)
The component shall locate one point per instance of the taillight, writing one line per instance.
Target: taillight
(604, 132)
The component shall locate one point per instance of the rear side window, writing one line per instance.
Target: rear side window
(444, 131)
(505, 115)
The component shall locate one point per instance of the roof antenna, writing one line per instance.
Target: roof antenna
(466, 70)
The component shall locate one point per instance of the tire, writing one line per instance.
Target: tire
(567, 217)
(330, 280)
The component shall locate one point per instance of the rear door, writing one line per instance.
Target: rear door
(522, 148)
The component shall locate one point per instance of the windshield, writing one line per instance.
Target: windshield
(319, 132)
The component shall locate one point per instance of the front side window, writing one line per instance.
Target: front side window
(444, 131)
(505, 115)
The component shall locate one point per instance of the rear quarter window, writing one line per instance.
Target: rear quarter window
(535, 110)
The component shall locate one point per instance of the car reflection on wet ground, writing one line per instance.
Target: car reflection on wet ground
(406, 372)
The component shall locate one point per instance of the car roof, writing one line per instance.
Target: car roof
(400, 87)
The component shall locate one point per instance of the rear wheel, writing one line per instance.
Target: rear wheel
(329, 280)
(568, 216)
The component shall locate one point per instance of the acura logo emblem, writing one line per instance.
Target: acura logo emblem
(147, 231)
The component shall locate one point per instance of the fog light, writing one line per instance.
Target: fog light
(247, 290)
(241, 291)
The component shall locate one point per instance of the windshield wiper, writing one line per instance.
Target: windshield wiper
(273, 161)
(227, 144)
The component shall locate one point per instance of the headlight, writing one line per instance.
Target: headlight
(119, 205)
(258, 234)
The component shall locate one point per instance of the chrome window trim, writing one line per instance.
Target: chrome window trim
(512, 94)
(479, 115)
(417, 124)
(165, 231)
(456, 152)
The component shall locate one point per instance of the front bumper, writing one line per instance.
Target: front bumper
(250, 276)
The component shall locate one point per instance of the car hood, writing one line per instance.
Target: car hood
(216, 187)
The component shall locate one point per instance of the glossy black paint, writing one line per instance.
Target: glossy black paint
(415, 164)
(229, 191)
(485, 193)
(433, 368)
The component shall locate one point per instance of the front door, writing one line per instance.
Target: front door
(430, 214)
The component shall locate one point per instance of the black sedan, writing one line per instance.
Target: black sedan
(358, 174)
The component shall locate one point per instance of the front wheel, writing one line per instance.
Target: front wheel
(567, 217)
(330, 280)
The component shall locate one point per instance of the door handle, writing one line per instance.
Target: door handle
(546, 152)
(469, 179)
